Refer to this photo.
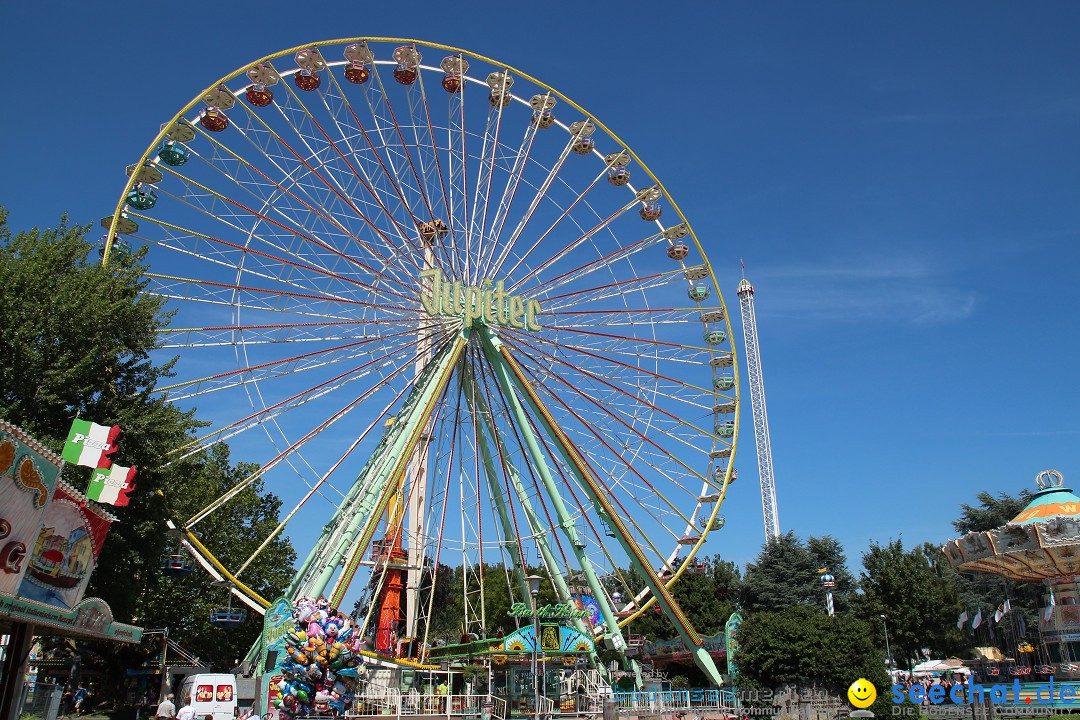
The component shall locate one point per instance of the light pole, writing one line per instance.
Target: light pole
(888, 652)
(534, 591)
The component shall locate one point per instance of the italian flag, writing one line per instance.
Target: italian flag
(111, 485)
(88, 443)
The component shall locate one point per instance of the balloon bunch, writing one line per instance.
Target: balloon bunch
(323, 665)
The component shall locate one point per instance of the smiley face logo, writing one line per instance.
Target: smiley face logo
(862, 693)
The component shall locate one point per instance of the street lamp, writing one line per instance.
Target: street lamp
(888, 652)
(534, 591)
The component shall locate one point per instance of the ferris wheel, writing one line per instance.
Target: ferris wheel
(460, 319)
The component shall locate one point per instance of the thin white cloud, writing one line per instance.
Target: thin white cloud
(903, 291)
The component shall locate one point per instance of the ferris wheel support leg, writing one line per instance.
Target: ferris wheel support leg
(472, 394)
(418, 417)
(506, 384)
(535, 524)
(373, 487)
(510, 375)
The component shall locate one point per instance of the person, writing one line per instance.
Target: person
(67, 701)
(187, 712)
(166, 710)
(80, 699)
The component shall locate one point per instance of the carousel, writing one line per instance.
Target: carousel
(1040, 545)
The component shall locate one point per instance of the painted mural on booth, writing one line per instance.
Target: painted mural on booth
(66, 549)
(28, 476)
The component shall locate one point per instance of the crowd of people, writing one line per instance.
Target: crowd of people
(908, 681)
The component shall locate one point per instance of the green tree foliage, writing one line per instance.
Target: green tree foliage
(804, 647)
(829, 555)
(235, 532)
(783, 576)
(991, 512)
(918, 593)
(987, 590)
(707, 598)
(787, 574)
(78, 340)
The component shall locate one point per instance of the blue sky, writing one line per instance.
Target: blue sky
(902, 181)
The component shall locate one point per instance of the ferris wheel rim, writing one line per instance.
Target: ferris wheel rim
(147, 155)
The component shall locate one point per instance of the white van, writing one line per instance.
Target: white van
(211, 694)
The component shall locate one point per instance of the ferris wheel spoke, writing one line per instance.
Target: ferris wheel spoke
(385, 124)
(308, 217)
(513, 181)
(300, 117)
(616, 289)
(609, 358)
(267, 333)
(564, 250)
(312, 490)
(260, 298)
(293, 243)
(438, 192)
(541, 193)
(413, 99)
(333, 191)
(500, 88)
(677, 352)
(614, 348)
(538, 526)
(605, 261)
(542, 525)
(644, 536)
(263, 469)
(404, 232)
(625, 317)
(270, 263)
(645, 540)
(283, 367)
(274, 410)
(524, 348)
(627, 486)
(457, 198)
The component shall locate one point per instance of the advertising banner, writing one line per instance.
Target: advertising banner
(28, 475)
(731, 642)
(65, 550)
(277, 621)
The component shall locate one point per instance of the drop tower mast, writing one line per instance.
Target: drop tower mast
(761, 416)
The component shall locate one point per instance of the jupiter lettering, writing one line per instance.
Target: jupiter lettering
(485, 303)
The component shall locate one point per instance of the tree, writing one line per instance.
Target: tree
(918, 593)
(985, 590)
(707, 598)
(78, 340)
(829, 555)
(804, 647)
(234, 533)
(991, 512)
(784, 575)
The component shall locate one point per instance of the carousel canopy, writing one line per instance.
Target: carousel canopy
(1041, 543)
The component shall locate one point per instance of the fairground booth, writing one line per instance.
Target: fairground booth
(50, 539)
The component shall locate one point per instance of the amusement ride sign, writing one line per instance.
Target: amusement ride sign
(487, 302)
(558, 611)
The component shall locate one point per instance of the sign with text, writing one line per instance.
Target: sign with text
(556, 611)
